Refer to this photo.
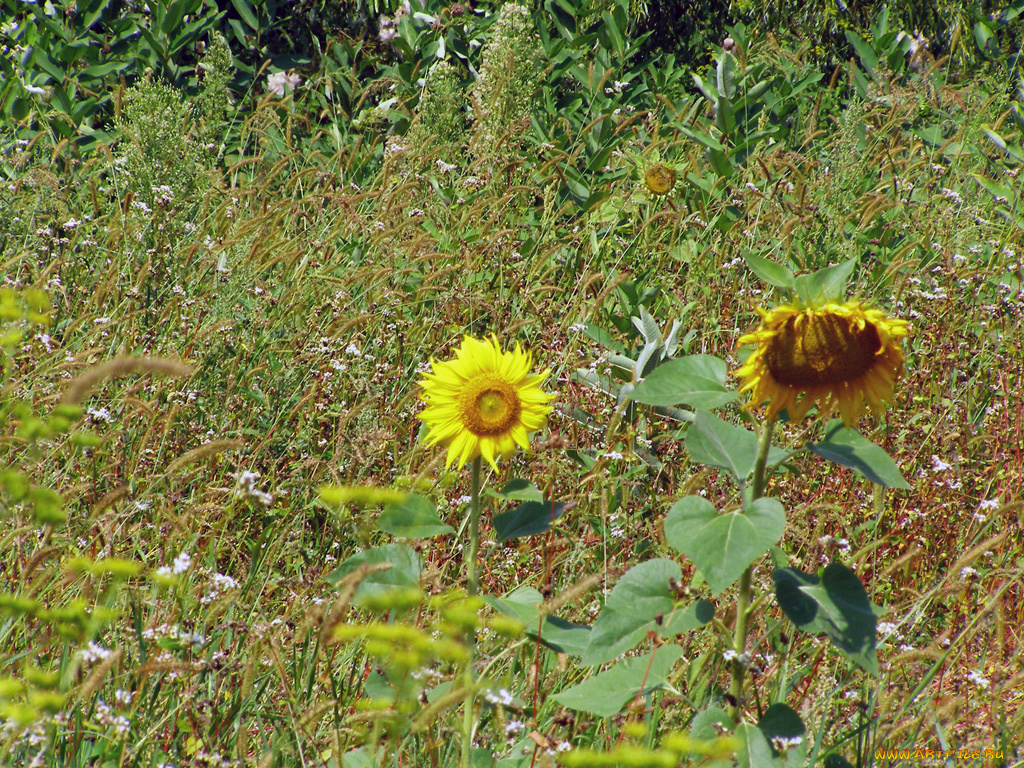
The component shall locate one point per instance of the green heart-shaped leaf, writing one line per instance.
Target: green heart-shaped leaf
(723, 545)
(414, 518)
(642, 601)
(557, 634)
(404, 571)
(835, 605)
(528, 519)
(697, 381)
(517, 489)
(606, 693)
(754, 750)
(849, 448)
(785, 732)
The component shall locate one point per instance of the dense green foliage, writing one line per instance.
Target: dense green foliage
(234, 235)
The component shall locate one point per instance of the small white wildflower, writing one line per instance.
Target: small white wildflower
(277, 82)
(781, 743)
(952, 195)
(94, 652)
(886, 628)
(938, 465)
(221, 581)
(164, 194)
(100, 414)
(247, 487)
(502, 697)
(989, 504)
(182, 563)
(968, 573)
(979, 680)
(514, 727)
(613, 455)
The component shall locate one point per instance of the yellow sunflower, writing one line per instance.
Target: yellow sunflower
(659, 178)
(484, 402)
(836, 355)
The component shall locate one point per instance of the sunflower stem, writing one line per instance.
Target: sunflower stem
(764, 445)
(472, 580)
(472, 587)
(743, 599)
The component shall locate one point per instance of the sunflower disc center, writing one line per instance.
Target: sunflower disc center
(660, 179)
(490, 407)
(812, 350)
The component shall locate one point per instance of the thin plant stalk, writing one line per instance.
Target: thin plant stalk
(472, 580)
(472, 587)
(743, 599)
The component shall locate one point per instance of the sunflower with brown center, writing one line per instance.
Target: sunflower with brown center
(659, 179)
(836, 355)
(485, 402)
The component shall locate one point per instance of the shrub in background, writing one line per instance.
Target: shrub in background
(504, 94)
(158, 153)
(214, 99)
(440, 122)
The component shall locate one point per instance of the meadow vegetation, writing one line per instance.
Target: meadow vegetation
(235, 243)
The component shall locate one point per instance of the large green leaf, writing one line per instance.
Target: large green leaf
(769, 272)
(716, 443)
(713, 442)
(864, 52)
(848, 448)
(557, 634)
(785, 732)
(642, 601)
(754, 751)
(246, 12)
(404, 571)
(835, 605)
(709, 723)
(723, 545)
(357, 758)
(697, 381)
(826, 284)
(605, 694)
(529, 518)
(517, 489)
(414, 518)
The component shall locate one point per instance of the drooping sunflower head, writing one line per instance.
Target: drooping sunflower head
(836, 355)
(659, 178)
(485, 402)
